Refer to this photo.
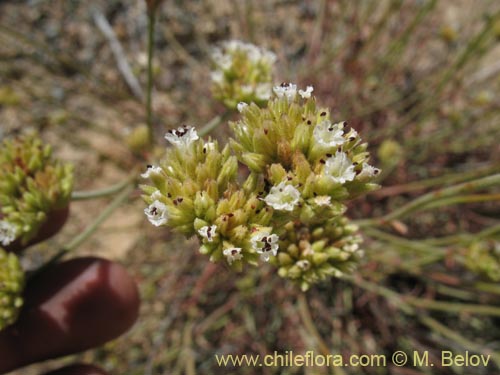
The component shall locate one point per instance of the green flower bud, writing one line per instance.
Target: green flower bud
(242, 74)
(33, 186)
(319, 251)
(138, 139)
(483, 257)
(11, 288)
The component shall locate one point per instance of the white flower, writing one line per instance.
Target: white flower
(183, 136)
(208, 232)
(340, 168)
(323, 200)
(289, 90)
(151, 171)
(368, 171)
(265, 244)
(8, 232)
(307, 93)
(303, 264)
(241, 106)
(232, 254)
(217, 77)
(351, 248)
(222, 60)
(156, 195)
(283, 197)
(329, 135)
(263, 91)
(157, 213)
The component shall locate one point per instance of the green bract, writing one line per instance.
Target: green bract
(301, 170)
(32, 185)
(242, 73)
(11, 288)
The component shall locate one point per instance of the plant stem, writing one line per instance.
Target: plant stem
(83, 236)
(149, 88)
(424, 200)
(435, 181)
(456, 338)
(408, 303)
(99, 193)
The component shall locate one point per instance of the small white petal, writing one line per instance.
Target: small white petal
(303, 264)
(307, 93)
(157, 213)
(323, 200)
(368, 172)
(288, 90)
(209, 146)
(263, 91)
(151, 171)
(340, 168)
(208, 232)
(283, 197)
(351, 248)
(157, 195)
(241, 106)
(183, 136)
(232, 254)
(327, 134)
(8, 233)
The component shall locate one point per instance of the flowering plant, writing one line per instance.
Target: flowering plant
(301, 169)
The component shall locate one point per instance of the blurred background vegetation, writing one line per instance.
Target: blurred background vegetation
(419, 79)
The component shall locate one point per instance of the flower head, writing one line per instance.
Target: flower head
(33, 186)
(329, 135)
(232, 254)
(208, 232)
(157, 213)
(8, 232)
(283, 197)
(242, 73)
(183, 136)
(340, 168)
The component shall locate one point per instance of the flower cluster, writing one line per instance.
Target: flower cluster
(312, 163)
(242, 74)
(33, 185)
(302, 167)
(11, 288)
(311, 253)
